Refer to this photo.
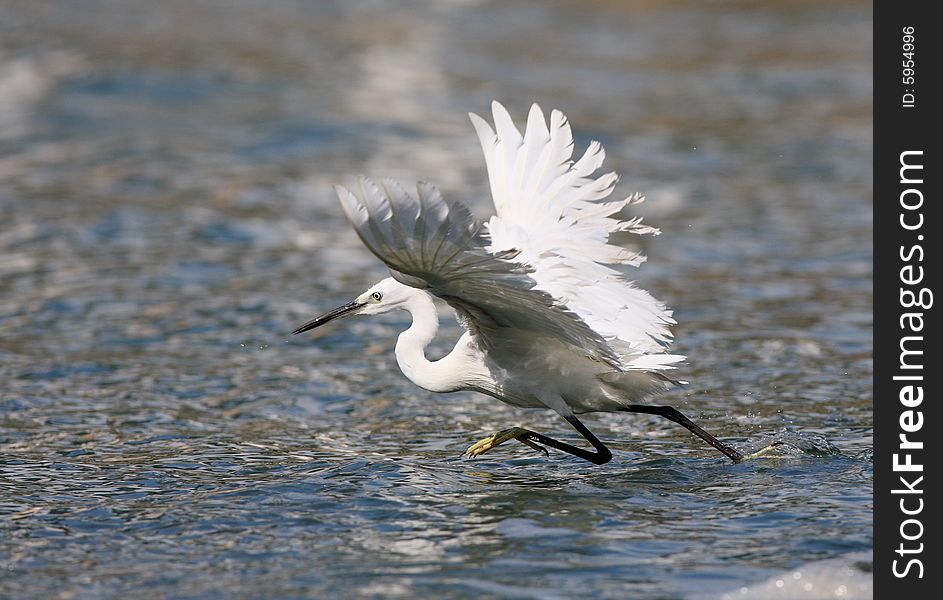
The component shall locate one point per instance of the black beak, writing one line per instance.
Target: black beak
(348, 309)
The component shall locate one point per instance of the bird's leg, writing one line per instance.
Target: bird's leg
(601, 456)
(673, 414)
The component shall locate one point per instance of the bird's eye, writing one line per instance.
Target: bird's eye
(376, 296)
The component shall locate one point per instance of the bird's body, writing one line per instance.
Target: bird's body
(550, 323)
(510, 369)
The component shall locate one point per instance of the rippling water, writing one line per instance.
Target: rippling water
(166, 218)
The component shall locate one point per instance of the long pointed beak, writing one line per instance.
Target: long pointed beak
(342, 311)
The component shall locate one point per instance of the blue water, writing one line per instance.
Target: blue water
(167, 218)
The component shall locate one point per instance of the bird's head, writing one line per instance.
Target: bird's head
(383, 297)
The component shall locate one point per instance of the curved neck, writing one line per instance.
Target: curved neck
(435, 376)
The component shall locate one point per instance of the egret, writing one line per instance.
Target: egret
(550, 322)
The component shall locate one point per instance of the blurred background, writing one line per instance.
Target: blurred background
(167, 218)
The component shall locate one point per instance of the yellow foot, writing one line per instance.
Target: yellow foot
(764, 451)
(514, 433)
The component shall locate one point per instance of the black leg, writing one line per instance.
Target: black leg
(672, 414)
(601, 456)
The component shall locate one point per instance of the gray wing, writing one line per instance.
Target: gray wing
(434, 244)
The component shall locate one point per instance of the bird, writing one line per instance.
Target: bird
(550, 319)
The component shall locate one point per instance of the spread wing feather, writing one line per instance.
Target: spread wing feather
(434, 244)
(543, 264)
(552, 210)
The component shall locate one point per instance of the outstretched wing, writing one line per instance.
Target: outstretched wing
(434, 244)
(553, 211)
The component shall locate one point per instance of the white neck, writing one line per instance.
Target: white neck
(444, 375)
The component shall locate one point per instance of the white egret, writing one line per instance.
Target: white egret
(549, 323)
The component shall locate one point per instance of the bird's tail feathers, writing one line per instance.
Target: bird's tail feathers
(629, 387)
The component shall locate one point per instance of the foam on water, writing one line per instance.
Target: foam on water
(847, 577)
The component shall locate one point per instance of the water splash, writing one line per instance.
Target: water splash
(788, 442)
(256, 345)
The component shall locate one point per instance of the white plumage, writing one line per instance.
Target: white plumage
(550, 322)
(553, 211)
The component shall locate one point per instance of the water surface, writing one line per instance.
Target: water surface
(166, 218)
